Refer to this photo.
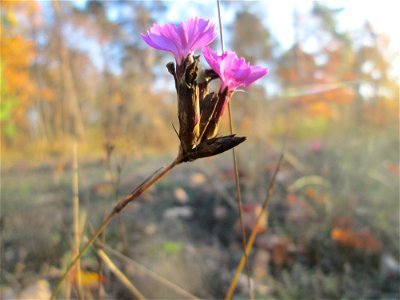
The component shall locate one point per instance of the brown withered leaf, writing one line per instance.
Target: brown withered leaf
(189, 106)
(361, 239)
(212, 127)
(204, 78)
(171, 69)
(207, 108)
(213, 147)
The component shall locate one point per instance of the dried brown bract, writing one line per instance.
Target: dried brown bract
(198, 124)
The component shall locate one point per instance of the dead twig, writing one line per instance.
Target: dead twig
(75, 187)
(119, 274)
(153, 275)
(253, 234)
(236, 170)
(132, 196)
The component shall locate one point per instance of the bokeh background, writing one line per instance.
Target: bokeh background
(77, 73)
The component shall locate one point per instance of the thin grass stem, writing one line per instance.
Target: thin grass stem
(120, 275)
(75, 187)
(236, 170)
(185, 294)
(253, 234)
(132, 196)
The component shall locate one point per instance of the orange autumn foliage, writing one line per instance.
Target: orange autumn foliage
(323, 103)
(317, 197)
(321, 88)
(360, 240)
(88, 279)
(393, 168)
(17, 55)
(383, 112)
(320, 109)
(292, 198)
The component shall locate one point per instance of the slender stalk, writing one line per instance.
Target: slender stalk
(236, 170)
(75, 187)
(122, 229)
(153, 275)
(68, 287)
(121, 276)
(239, 268)
(100, 270)
(132, 196)
(253, 234)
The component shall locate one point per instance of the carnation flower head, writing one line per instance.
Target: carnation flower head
(183, 39)
(233, 71)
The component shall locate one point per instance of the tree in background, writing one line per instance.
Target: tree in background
(376, 87)
(252, 40)
(93, 20)
(68, 69)
(318, 77)
(327, 69)
(17, 55)
(74, 123)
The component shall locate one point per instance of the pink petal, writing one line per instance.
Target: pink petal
(213, 60)
(233, 71)
(182, 39)
(256, 73)
(204, 33)
(159, 42)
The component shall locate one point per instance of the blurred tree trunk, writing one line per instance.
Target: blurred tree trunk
(38, 102)
(69, 95)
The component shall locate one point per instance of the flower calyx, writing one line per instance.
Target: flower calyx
(199, 111)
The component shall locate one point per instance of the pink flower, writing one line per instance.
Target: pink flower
(182, 39)
(233, 71)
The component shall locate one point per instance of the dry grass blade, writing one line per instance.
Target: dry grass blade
(132, 196)
(253, 234)
(75, 187)
(153, 275)
(236, 170)
(120, 275)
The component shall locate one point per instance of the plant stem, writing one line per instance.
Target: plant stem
(236, 170)
(184, 294)
(132, 196)
(75, 187)
(120, 275)
(253, 234)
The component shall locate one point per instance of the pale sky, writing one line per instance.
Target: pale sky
(383, 14)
